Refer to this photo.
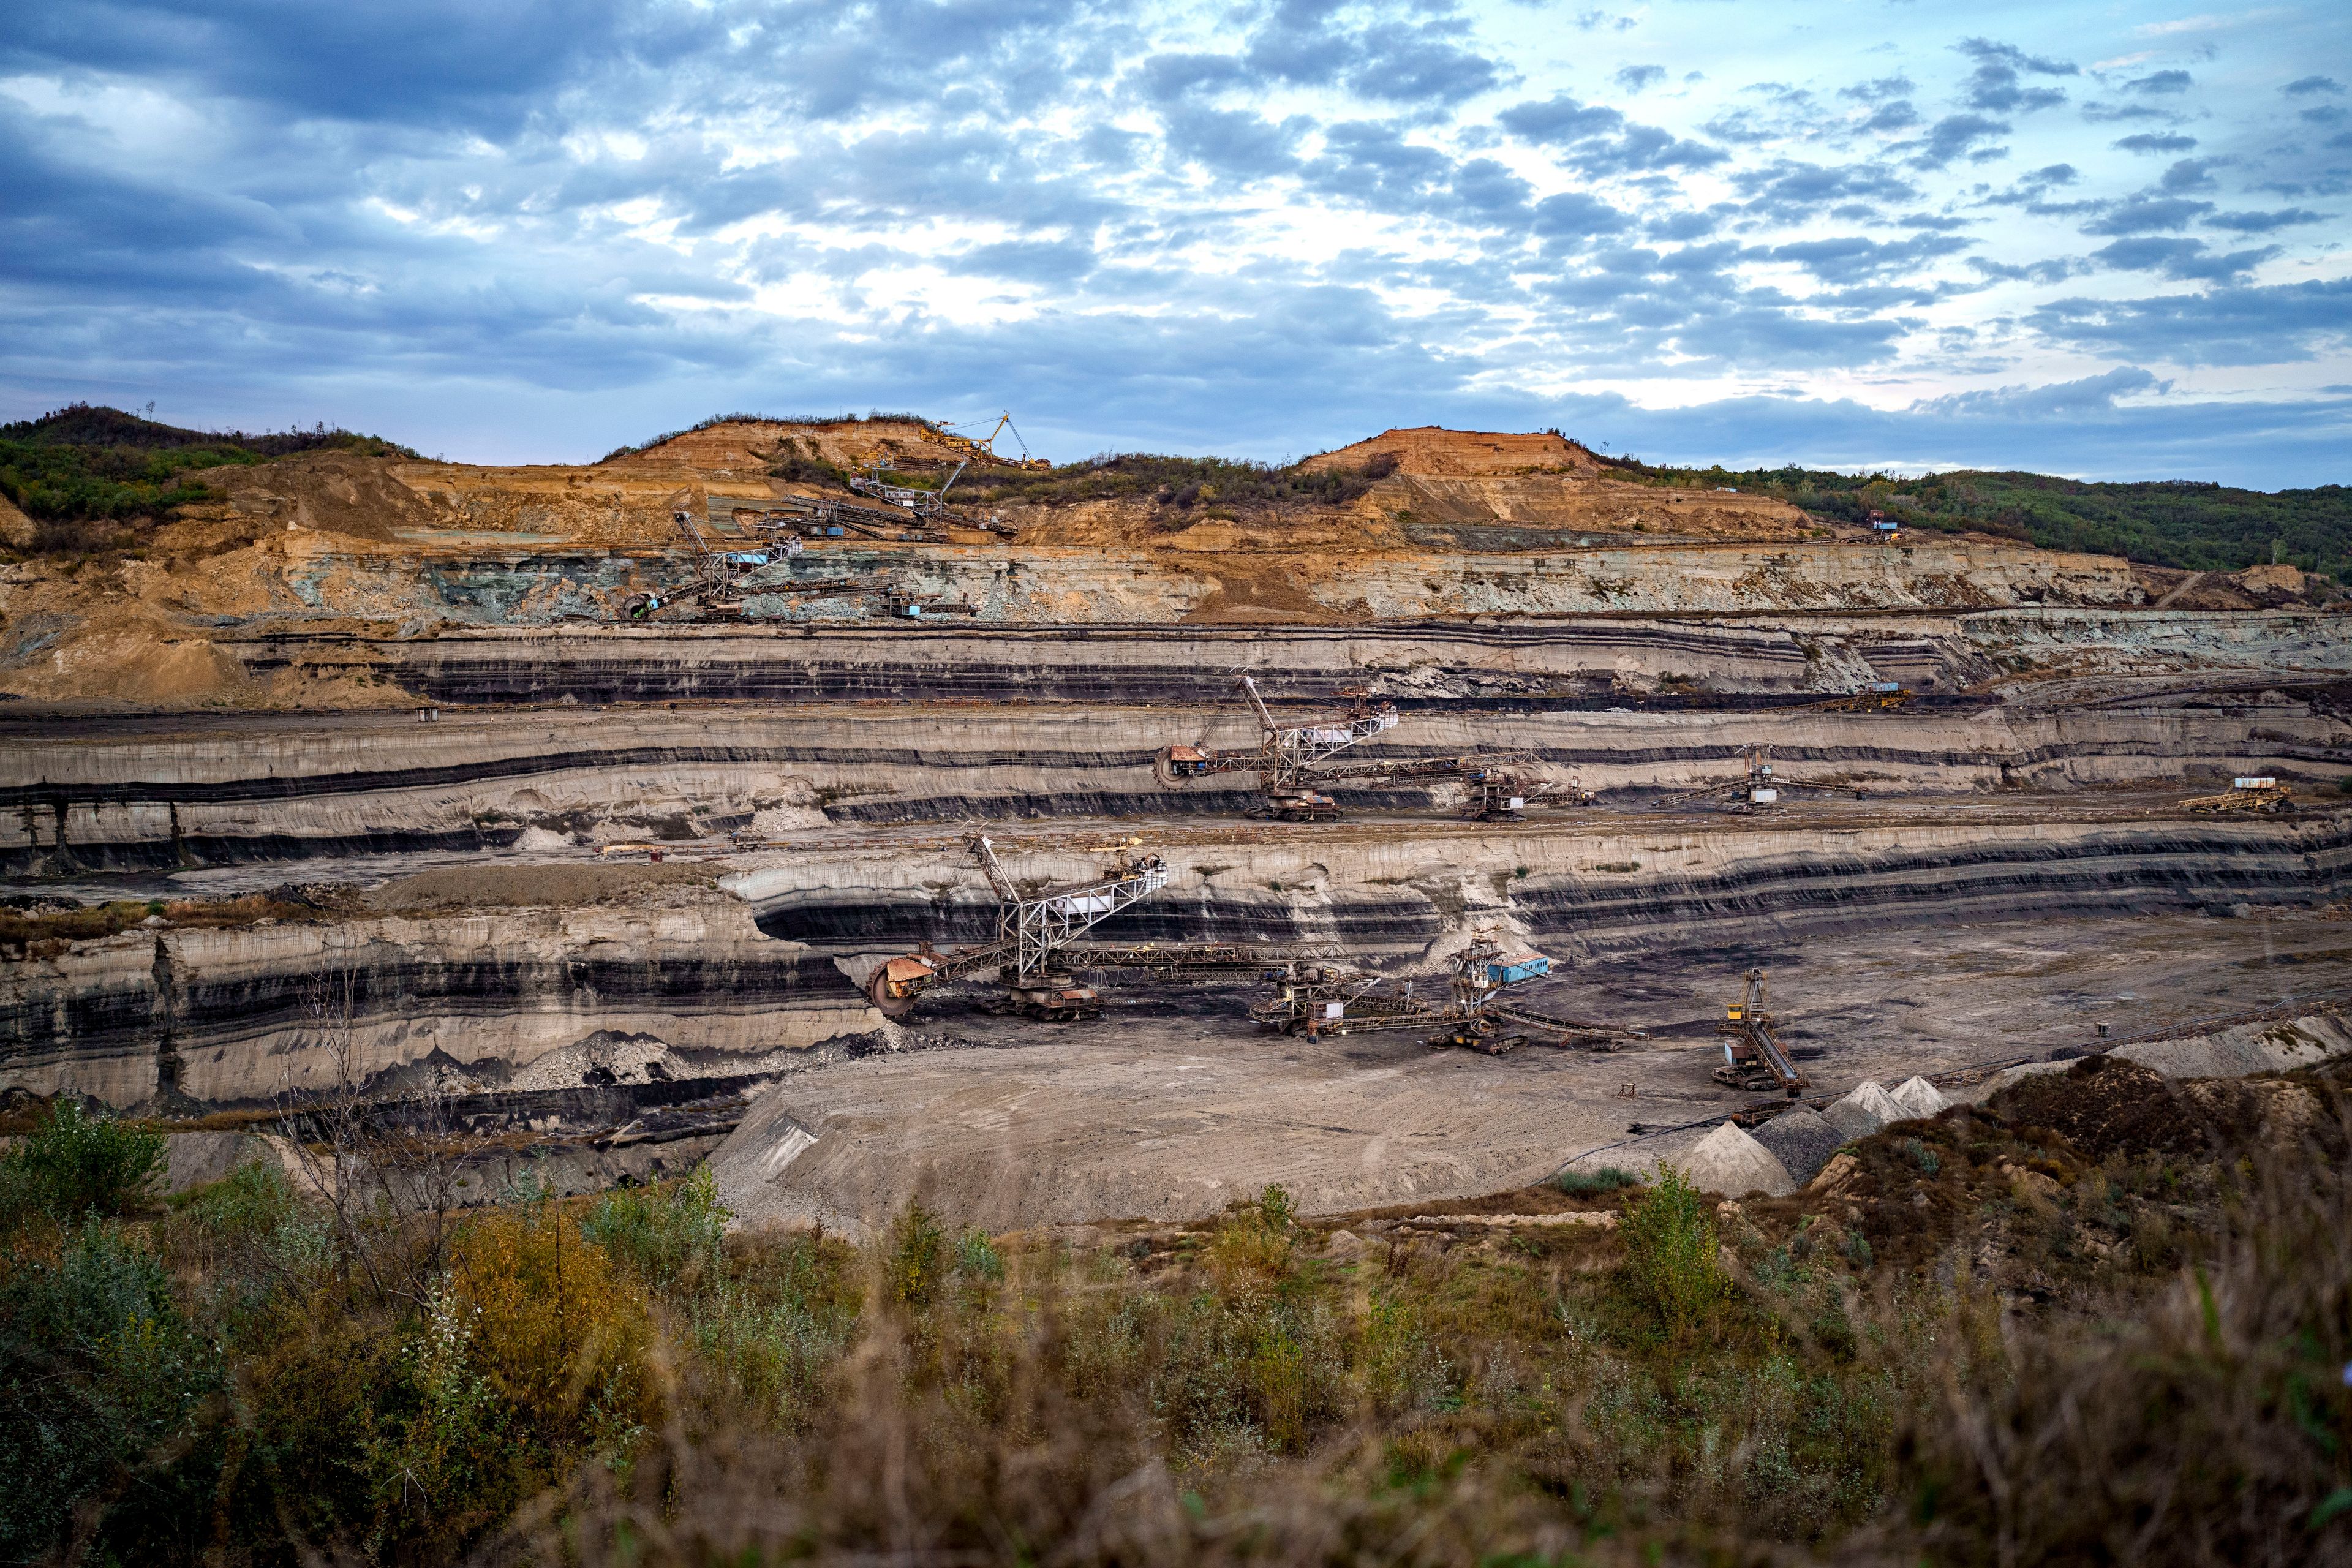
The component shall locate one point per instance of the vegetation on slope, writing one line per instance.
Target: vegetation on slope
(83, 470)
(2173, 522)
(2100, 1318)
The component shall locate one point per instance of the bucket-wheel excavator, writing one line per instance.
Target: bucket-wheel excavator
(1761, 790)
(1032, 934)
(1321, 998)
(1292, 758)
(1753, 1058)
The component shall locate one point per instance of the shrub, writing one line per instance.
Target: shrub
(1607, 1179)
(916, 1265)
(1254, 1244)
(1670, 1251)
(76, 1163)
(663, 1234)
(97, 1367)
(555, 1335)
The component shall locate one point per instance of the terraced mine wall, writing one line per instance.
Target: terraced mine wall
(548, 999)
(1405, 897)
(154, 795)
(537, 999)
(1589, 657)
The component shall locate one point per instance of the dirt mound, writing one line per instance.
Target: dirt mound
(348, 493)
(2105, 1105)
(1428, 449)
(747, 449)
(1919, 1098)
(1864, 1111)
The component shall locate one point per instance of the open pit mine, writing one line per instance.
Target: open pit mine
(1061, 860)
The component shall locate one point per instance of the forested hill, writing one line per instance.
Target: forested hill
(86, 463)
(2169, 522)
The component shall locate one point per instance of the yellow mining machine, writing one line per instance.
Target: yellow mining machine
(974, 445)
(1753, 1058)
(2261, 795)
(1878, 697)
(1294, 757)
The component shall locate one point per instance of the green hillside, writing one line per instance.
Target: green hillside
(2167, 523)
(83, 467)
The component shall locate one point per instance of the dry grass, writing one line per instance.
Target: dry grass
(2133, 1356)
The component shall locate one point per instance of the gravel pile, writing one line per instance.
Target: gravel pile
(1803, 1140)
(1919, 1098)
(1729, 1163)
(1864, 1111)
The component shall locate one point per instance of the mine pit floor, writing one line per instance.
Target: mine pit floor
(1173, 1105)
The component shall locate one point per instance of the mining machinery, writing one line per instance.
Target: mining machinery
(1037, 954)
(1761, 789)
(2262, 796)
(1317, 998)
(976, 444)
(1032, 933)
(717, 574)
(1753, 1058)
(1293, 759)
(1877, 697)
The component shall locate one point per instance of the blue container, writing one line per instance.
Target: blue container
(1513, 967)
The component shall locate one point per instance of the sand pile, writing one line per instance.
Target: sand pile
(1803, 1140)
(1919, 1098)
(1728, 1162)
(1864, 1111)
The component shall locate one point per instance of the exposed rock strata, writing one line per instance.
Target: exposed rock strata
(158, 795)
(245, 1017)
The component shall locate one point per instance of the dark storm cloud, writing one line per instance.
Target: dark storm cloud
(438, 210)
(2301, 86)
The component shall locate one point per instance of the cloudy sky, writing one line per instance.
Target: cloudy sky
(2102, 239)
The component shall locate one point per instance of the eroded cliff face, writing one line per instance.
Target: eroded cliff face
(1586, 891)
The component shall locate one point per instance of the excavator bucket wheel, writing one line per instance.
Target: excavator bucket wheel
(1163, 767)
(895, 1008)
